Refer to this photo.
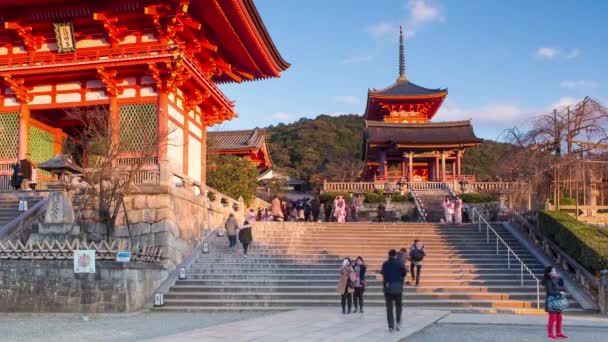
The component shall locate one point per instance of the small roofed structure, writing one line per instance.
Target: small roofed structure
(244, 143)
(401, 144)
(60, 165)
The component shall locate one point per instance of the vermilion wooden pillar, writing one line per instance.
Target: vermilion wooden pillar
(162, 124)
(411, 167)
(403, 169)
(382, 164)
(458, 163)
(443, 166)
(204, 155)
(114, 120)
(186, 141)
(24, 130)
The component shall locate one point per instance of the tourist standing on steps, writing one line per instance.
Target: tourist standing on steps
(417, 254)
(555, 302)
(447, 209)
(393, 274)
(276, 208)
(359, 283)
(458, 210)
(25, 171)
(245, 237)
(381, 212)
(345, 286)
(340, 210)
(231, 227)
(251, 216)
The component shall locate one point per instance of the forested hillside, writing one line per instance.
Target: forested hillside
(330, 147)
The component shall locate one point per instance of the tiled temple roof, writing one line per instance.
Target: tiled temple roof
(236, 140)
(455, 132)
(407, 88)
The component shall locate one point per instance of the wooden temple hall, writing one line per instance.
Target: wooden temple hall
(154, 64)
(400, 141)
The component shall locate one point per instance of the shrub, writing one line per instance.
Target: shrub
(586, 244)
(477, 198)
(330, 196)
(372, 197)
(565, 201)
(399, 198)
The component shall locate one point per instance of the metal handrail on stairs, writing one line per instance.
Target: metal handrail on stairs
(419, 205)
(510, 252)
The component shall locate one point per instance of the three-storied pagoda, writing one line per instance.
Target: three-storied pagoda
(400, 142)
(153, 63)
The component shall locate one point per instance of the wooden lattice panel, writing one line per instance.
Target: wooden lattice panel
(137, 126)
(41, 144)
(9, 135)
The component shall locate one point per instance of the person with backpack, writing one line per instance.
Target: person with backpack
(231, 226)
(417, 254)
(359, 283)
(345, 285)
(555, 302)
(245, 237)
(393, 275)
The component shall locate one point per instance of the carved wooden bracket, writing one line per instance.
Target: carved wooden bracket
(194, 99)
(30, 41)
(169, 76)
(116, 34)
(170, 19)
(17, 85)
(110, 81)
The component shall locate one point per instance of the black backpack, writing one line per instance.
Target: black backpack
(417, 254)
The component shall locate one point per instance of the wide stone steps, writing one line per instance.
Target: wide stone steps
(9, 206)
(297, 265)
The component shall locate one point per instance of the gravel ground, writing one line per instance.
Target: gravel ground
(67, 328)
(501, 333)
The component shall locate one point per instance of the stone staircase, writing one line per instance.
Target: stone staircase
(293, 265)
(9, 205)
(432, 200)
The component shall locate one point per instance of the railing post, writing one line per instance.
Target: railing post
(487, 231)
(537, 294)
(603, 292)
(509, 257)
(496, 245)
(522, 272)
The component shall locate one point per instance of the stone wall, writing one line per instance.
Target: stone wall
(172, 218)
(52, 286)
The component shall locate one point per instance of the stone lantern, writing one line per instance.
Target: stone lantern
(59, 216)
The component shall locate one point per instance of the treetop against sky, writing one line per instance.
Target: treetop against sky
(502, 61)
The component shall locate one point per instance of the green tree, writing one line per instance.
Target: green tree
(232, 175)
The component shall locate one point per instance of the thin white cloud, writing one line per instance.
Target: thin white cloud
(336, 113)
(577, 84)
(420, 13)
(281, 116)
(495, 113)
(383, 30)
(348, 99)
(546, 52)
(358, 59)
(572, 54)
(564, 102)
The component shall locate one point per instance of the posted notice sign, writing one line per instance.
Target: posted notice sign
(84, 261)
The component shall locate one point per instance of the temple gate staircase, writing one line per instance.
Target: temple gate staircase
(432, 200)
(9, 205)
(293, 265)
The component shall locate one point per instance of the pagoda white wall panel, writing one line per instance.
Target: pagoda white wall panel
(68, 86)
(67, 98)
(42, 99)
(194, 158)
(10, 102)
(175, 149)
(147, 91)
(130, 39)
(195, 130)
(127, 93)
(19, 49)
(96, 95)
(176, 114)
(148, 38)
(3, 51)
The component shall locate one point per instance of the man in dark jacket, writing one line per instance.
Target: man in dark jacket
(393, 273)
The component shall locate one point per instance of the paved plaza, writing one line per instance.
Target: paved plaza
(315, 324)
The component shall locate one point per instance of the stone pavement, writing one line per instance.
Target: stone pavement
(307, 325)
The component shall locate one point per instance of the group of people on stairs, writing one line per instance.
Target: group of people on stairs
(452, 210)
(352, 284)
(244, 233)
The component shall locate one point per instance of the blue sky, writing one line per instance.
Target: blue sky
(502, 61)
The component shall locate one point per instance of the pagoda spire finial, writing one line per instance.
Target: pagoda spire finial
(401, 56)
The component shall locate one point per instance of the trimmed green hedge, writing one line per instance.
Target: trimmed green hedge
(330, 196)
(586, 244)
(565, 201)
(477, 198)
(372, 197)
(399, 198)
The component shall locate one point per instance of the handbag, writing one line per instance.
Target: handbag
(557, 303)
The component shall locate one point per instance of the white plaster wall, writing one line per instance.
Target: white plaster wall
(42, 99)
(70, 97)
(88, 43)
(194, 158)
(175, 150)
(174, 113)
(68, 86)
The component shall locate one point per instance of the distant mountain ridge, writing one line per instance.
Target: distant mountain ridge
(330, 147)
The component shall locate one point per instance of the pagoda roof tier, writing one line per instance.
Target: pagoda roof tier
(405, 88)
(434, 135)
